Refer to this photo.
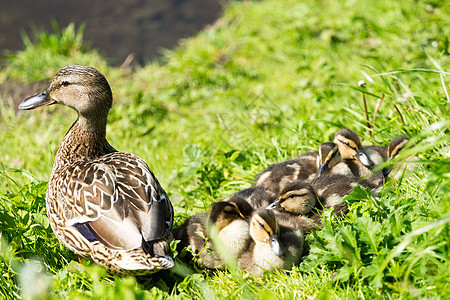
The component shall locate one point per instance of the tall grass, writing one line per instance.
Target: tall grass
(269, 80)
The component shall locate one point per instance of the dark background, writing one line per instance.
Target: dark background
(116, 28)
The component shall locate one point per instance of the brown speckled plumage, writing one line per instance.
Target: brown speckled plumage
(100, 202)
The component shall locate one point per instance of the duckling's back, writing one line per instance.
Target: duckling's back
(277, 176)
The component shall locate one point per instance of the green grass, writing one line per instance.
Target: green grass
(269, 80)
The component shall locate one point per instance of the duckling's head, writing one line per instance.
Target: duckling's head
(224, 213)
(297, 197)
(264, 229)
(350, 146)
(328, 157)
(396, 145)
(80, 87)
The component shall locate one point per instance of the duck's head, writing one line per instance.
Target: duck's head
(264, 229)
(80, 87)
(297, 198)
(224, 213)
(328, 157)
(396, 145)
(350, 146)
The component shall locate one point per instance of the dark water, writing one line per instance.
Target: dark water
(116, 28)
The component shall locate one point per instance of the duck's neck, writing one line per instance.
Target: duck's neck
(84, 141)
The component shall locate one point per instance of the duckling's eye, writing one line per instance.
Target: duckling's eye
(65, 83)
(346, 143)
(262, 225)
(292, 196)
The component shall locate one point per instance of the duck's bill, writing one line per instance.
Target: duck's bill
(274, 205)
(323, 168)
(386, 171)
(364, 159)
(41, 99)
(277, 247)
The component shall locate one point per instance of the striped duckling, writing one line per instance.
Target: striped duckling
(101, 203)
(297, 203)
(230, 223)
(393, 149)
(305, 167)
(260, 198)
(305, 202)
(272, 246)
(355, 161)
(379, 155)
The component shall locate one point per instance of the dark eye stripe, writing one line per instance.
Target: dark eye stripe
(297, 195)
(347, 144)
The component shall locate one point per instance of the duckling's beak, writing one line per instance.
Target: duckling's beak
(274, 205)
(362, 157)
(41, 99)
(277, 247)
(323, 168)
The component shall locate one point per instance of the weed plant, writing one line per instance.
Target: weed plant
(268, 81)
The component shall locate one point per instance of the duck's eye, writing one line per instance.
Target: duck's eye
(347, 143)
(65, 83)
(292, 196)
(262, 225)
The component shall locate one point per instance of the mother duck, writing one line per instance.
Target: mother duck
(100, 202)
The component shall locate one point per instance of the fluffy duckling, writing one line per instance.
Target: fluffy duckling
(302, 168)
(303, 203)
(328, 157)
(298, 204)
(379, 155)
(100, 202)
(394, 147)
(230, 221)
(354, 160)
(271, 246)
(297, 197)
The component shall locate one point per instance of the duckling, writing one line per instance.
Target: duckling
(379, 155)
(230, 221)
(354, 160)
(328, 157)
(101, 203)
(296, 204)
(394, 147)
(260, 198)
(305, 202)
(271, 246)
(297, 197)
(305, 167)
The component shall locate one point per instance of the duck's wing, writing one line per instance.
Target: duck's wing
(118, 201)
